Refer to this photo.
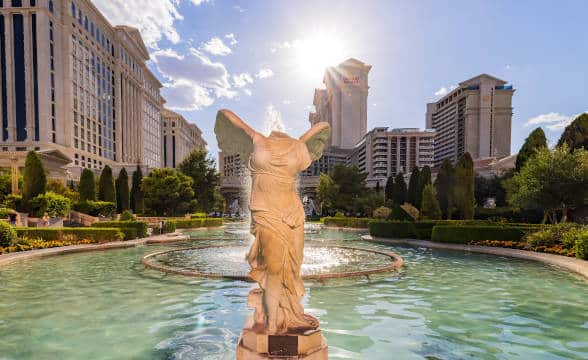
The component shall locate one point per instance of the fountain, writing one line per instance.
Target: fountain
(279, 326)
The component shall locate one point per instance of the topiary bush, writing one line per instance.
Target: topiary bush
(197, 223)
(7, 234)
(465, 234)
(131, 229)
(349, 222)
(53, 204)
(93, 234)
(169, 227)
(382, 212)
(126, 216)
(581, 246)
(198, 215)
(95, 208)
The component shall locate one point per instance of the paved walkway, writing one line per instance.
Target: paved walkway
(164, 238)
(571, 264)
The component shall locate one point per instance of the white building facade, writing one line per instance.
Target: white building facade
(180, 137)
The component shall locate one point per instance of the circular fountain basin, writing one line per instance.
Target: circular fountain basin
(228, 261)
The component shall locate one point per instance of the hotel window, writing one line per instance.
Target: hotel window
(73, 9)
(33, 3)
(50, 5)
(16, 3)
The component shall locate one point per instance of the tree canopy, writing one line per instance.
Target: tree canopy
(424, 180)
(205, 178)
(389, 190)
(463, 186)
(136, 198)
(575, 135)
(351, 184)
(554, 180)
(106, 190)
(34, 178)
(430, 209)
(327, 192)
(167, 192)
(412, 195)
(87, 187)
(444, 187)
(399, 195)
(122, 191)
(535, 140)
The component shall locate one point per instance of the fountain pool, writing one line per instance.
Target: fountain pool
(441, 305)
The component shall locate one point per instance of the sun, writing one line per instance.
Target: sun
(318, 51)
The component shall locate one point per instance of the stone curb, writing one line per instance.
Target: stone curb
(574, 265)
(164, 238)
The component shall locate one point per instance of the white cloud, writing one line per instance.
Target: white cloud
(264, 73)
(232, 39)
(444, 91)
(242, 80)
(247, 92)
(199, 2)
(286, 102)
(154, 19)
(552, 121)
(216, 46)
(239, 9)
(193, 79)
(186, 95)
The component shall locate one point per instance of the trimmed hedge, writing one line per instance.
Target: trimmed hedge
(350, 222)
(465, 234)
(196, 223)
(131, 229)
(51, 234)
(95, 208)
(393, 229)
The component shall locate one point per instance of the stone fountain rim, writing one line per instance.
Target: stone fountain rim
(394, 265)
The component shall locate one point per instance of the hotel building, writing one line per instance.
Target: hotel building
(383, 153)
(73, 84)
(475, 117)
(179, 138)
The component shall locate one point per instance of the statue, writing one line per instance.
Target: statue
(277, 218)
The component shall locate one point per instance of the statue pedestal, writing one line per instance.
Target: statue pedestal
(256, 344)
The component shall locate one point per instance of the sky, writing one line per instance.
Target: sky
(263, 59)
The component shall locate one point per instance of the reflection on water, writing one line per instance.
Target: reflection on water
(443, 305)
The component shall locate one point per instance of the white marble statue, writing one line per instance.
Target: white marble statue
(277, 215)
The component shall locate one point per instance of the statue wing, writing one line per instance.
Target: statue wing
(316, 139)
(233, 135)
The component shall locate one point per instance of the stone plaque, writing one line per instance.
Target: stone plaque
(282, 345)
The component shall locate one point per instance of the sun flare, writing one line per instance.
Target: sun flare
(317, 52)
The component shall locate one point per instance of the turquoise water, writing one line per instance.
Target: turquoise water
(442, 305)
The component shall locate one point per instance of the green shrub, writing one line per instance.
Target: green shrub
(14, 202)
(196, 223)
(553, 235)
(382, 212)
(87, 187)
(392, 229)
(35, 179)
(131, 229)
(350, 222)
(53, 204)
(339, 214)
(198, 215)
(7, 234)
(465, 234)
(95, 208)
(508, 214)
(581, 246)
(49, 234)
(126, 216)
(169, 227)
(5, 212)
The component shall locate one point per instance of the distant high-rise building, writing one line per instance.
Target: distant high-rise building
(343, 102)
(72, 83)
(179, 138)
(383, 153)
(475, 117)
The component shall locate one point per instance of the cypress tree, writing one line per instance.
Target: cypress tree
(87, 187)
(399, 194)
(576, 134)
(424, 180)
(122, 191)
(106, 191)
(413, 187)
(137, 203)
(463, 186)
(389, 190)
(430, 209)
(444, 186)
(535, 140)
(34, 178)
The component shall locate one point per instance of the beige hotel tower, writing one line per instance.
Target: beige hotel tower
(76, 88)
(475, 117)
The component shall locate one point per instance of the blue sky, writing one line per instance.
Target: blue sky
(250, 55)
